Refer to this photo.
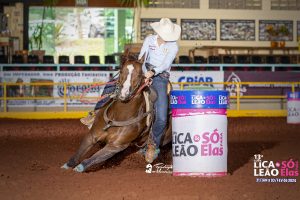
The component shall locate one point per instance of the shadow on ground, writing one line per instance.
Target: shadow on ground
(239, 153)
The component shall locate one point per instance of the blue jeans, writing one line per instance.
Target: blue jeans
(107, 89)
(160, 84)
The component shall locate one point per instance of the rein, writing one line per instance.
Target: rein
(114, 123)
(93, 86)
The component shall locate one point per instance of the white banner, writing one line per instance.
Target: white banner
(85, 77)
(50, 90)
(198, 77)
(293, 108)
(199, 145)
(1, 90)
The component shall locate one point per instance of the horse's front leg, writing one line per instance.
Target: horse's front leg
(86, 144)
(118, 140)
(102, 155)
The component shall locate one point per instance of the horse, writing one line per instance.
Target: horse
(121, 121)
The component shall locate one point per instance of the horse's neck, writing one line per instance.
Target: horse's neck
(129, 109)
(137, 100)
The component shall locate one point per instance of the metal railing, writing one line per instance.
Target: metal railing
(221, 66)
(238, 97)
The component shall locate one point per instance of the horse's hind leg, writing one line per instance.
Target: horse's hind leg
(86, 144)
(102, 155)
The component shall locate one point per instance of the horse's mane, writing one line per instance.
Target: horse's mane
(128, 56)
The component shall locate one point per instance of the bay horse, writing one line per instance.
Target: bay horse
(121, 122)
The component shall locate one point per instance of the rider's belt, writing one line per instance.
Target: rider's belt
(163, 74)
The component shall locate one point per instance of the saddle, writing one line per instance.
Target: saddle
(150, 98)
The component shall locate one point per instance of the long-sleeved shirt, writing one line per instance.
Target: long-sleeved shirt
(159, 56)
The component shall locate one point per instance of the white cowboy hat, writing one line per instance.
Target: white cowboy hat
(167, 30)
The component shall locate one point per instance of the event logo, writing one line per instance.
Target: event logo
(178, 99)
(159, 168)
(285, 169)
(232, 88)
(76, 90)
(293, 111)
(223, 100)
(203, 144)
(201, 99)
(195, 79)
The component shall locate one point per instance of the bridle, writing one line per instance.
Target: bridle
(137, 88)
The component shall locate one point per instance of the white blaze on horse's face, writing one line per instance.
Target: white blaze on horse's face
(127, 83)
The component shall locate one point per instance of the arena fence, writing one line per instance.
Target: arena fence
(209, 66)
(237, 101)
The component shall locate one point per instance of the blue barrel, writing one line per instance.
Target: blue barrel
(293, 107)
(199, 131)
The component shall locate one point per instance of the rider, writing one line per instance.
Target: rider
(159, 50)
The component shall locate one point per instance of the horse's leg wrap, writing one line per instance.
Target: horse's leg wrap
(103, 154)
(86, 144)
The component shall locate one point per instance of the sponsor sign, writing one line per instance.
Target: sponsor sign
(279, 171)
(260, 89)
(197, 77)
(49, 90)
(293, 108)
(199, 130)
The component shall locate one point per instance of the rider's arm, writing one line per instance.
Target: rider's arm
(144, 48)
(168, 59)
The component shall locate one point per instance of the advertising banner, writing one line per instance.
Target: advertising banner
(293, 108)
(198, 77)
(53, 91)
(199, 132)
(260, 89)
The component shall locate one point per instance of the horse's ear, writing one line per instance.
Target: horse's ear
(126, 53)
(124, 56)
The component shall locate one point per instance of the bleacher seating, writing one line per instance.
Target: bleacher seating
(199, 60)
(94, 59)
(3, 59)
(32, 59)
(184, 59)
(256, 59)
(270, 59)
(17, 59)
(63, 60)
(109, 59)
(228, 59)
(48, 59)
(79, 59)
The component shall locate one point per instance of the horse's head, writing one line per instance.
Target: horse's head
(130, 78)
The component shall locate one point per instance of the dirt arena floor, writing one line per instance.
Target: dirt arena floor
(32, 151)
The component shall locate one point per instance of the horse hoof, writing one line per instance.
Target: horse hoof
(65, 166)
(79, 168)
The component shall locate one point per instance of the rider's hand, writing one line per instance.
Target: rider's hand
(148, 81)
(149, 74)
